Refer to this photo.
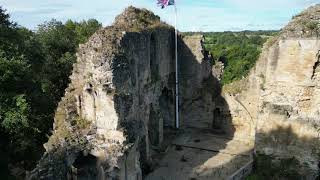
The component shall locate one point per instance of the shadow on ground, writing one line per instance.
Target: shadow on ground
(204, 147)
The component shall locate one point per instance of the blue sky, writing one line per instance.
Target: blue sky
(193, 15)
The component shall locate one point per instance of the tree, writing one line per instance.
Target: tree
(34, 71)
(86, 28)
(60, 42)
(238, 51)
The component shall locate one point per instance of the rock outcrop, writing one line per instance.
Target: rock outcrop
(118, 110)
(277, 106)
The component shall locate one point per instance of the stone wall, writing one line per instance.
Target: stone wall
(281, 96)
(289, 119)
(199, 87)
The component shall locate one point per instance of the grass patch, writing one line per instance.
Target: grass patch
(236, 87)
(268, 167)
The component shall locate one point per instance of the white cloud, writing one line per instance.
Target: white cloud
(217, 15)
(270, 4)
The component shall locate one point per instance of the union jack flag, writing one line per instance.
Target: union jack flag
(165, 3)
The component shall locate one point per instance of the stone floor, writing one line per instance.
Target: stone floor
(198, 155)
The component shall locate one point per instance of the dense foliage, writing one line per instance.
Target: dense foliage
(238, 51)
(34, 71)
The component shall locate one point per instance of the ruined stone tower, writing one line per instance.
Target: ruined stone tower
(118, 110)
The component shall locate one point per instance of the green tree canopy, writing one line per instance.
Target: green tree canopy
(238, 51)
(34, 72)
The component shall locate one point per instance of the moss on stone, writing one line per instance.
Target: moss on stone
(236, 87)
(82, 123)
(263, 83)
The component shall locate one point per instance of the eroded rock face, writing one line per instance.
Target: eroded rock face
(281, 95)
(121, 97)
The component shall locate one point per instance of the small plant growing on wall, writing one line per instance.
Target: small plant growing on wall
(313, 27)
(263, 78)
(268, 167)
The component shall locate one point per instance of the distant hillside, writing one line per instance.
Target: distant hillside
(237, 50)
(247, 32)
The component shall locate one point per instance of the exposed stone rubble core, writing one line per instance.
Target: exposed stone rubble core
(282, 95)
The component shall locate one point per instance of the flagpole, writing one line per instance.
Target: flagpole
(176, 61)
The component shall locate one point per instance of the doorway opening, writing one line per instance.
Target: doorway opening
(166, 103)
(217, 120)
(86, 167)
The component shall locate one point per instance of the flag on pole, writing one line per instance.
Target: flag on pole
(165, 3)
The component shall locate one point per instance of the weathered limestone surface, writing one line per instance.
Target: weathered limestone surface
(121, 97)
(281, 95)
